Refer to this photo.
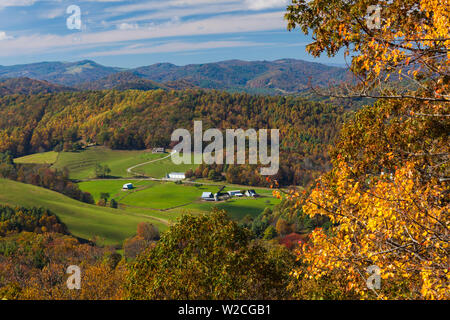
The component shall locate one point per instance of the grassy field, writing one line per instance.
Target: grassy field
(237, 208)
(174, 199)
(40, 158)
(111, 226)
(165, 195)
(159, 169)
(160, 203)
(113, 187)
(81, 164)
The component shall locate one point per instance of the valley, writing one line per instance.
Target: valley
(151, 199)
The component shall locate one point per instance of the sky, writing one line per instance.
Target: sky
(132, 33)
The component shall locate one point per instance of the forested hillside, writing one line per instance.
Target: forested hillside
(121, 81)
(279, 76)
(29, 86)
(138, 120)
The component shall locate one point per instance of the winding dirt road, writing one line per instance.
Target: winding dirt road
(130, 169)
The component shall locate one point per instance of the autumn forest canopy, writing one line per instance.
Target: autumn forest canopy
(145, 120)
(362, 188)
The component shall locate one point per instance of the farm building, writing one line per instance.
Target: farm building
(235, 193)
(208, 196)
(127, 186)
(176, 176)
(251, 193)
(158, 150)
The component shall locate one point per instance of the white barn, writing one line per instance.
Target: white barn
(208, 196)
(176, 176)
(235, 193)
(127, 186)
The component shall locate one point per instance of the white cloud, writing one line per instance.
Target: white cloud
(52, 14)
(128, 26)
(168, 9)
(153, 20)
(16, 3)
(26, 3)
(166, 5)
(186, 12)
(4, 36)
(265, 4)
(215, 25)
(177, 47)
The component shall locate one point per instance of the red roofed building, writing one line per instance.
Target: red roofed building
(291, 240)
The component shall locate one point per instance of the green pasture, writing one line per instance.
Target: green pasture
(39, 158)
(173, 199)
(81, 164)
(109, 226)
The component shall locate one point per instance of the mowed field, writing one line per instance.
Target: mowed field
(82, 164)
(174, 199)
(109, 226)
(41, 158)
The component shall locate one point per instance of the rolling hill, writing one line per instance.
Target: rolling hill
(286, 75)
(139, 120)
(62, 73)
(110, 226)
(81, 164)
(29, 86)
(270, 77)
(125, 80)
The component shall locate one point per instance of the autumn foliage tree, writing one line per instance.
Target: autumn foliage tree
(406, 39)
(387, 195)
(33, 267)
(209, 257)
(147, 234)
(148, 231)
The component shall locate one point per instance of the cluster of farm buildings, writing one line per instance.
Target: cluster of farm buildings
(218, 196)
(209, 196)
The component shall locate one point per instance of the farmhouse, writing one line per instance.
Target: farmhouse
(235, 193)
(158, 150)
(127, 186)
(176, 176)
(251, 193)
(207, 196)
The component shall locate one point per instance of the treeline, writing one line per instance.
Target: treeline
(37, 220)
(42, 176)
(249, 174)
(29, 86)
(139, 120)
(282, 220)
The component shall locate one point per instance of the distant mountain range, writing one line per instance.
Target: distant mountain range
(270, 77)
